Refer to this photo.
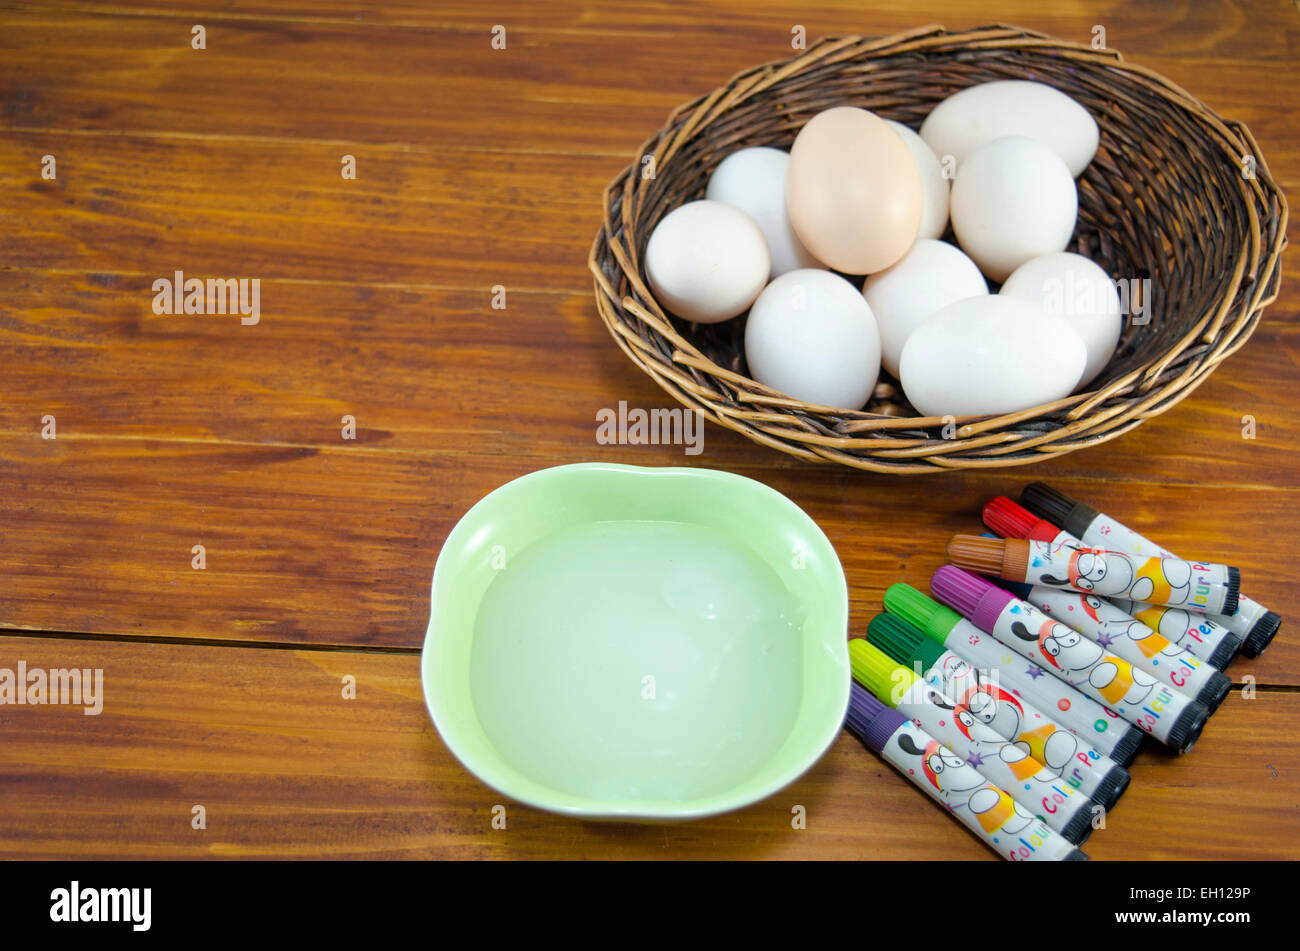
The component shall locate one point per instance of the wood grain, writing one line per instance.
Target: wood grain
(285, 767)
(141, 207)
(445, 88)
(431, 369)
(336, 546)
(475, 168)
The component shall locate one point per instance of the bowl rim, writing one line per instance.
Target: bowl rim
(833, 638)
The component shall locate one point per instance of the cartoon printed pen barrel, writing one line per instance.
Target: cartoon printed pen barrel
(1001, 822)
(1004, 764)
(1208, 589)
(1125, 636)
(1101, 621)
(1253, 624)
(1198, 634)
(1158, 710)
(1101, 731)
(985, 703)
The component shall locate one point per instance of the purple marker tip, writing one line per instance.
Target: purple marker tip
(970, 595)
(870, 720)
(959, 589)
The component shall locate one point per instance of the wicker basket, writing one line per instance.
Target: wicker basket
(1168, 197)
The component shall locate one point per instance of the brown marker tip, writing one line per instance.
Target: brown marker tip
(976, 553)
(1015, 560)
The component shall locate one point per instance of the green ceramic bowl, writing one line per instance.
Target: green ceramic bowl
(620, 642)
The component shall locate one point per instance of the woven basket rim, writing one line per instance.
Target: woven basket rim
(870, 440)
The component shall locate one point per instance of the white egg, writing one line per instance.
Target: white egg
(1012, 200)
(753, 180)
(990, 355)
(977, 115)
(1070, 286)
(811, 335)
(706, 261)
(934, 187)
(931, 276)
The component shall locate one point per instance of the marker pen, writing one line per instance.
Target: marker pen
(1194, 586)
(1214, 643)
(1125, 636)
(989, 709)
(1004, 825)
(1087, 719)
(1003, 764)
(1139, 698)
(1196, 632)
(1253, 623)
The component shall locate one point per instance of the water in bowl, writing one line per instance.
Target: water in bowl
(637, 660)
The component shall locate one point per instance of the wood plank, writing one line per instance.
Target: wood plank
(476, 168)
(1236, 787)
(281, 211)
(286, 768)
(311, 545)
(1259, 31)
(447, 88)
(426, 369)
(102, 540)
(146, 207)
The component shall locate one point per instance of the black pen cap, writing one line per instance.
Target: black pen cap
(1058, 508)
(1261, 634)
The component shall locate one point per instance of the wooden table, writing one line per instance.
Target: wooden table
(475, 167)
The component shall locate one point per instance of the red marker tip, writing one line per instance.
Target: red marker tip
(1011, 520)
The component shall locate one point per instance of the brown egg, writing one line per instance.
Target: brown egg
(853, 191)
